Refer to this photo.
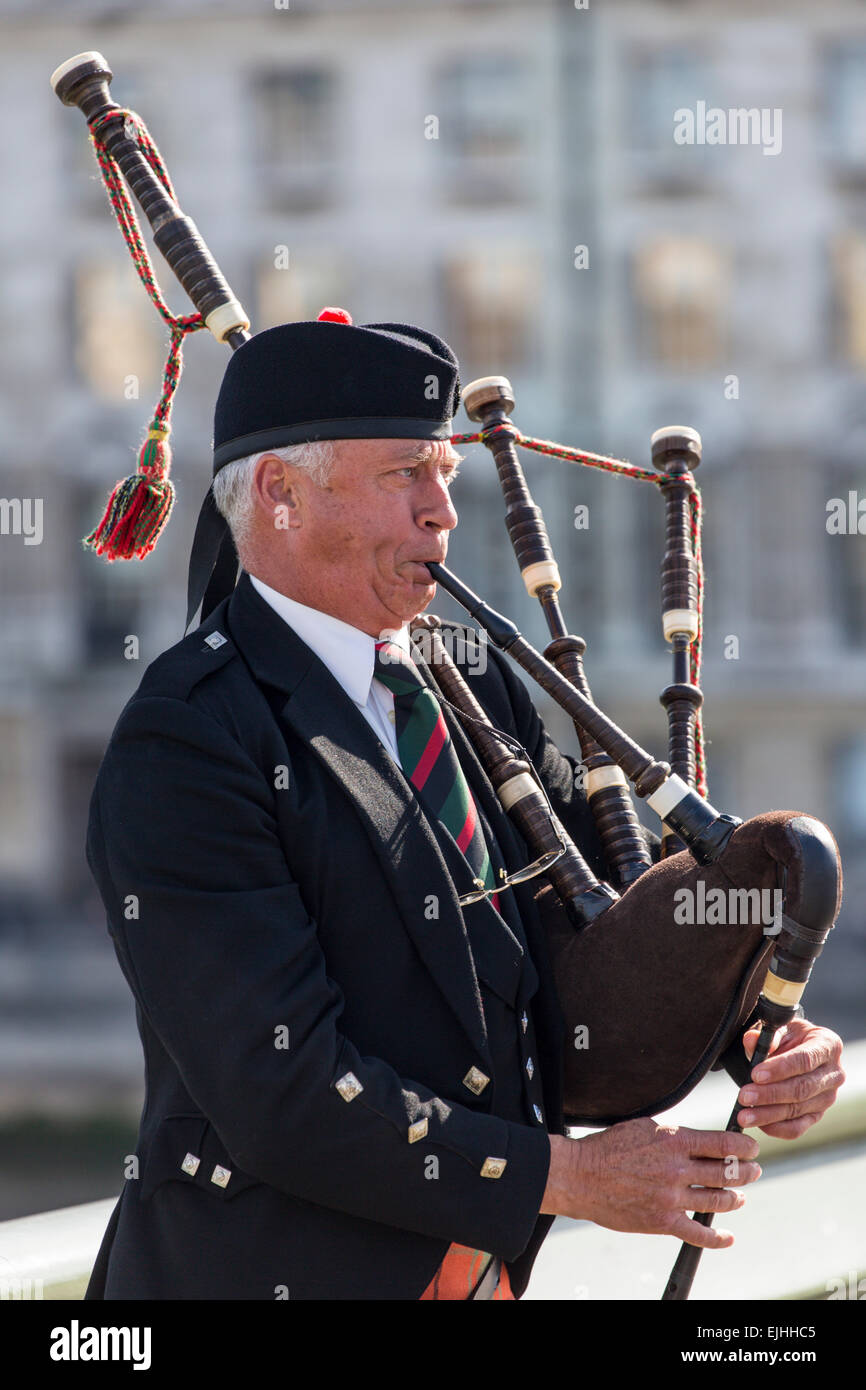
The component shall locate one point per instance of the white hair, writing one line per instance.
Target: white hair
(233, 484)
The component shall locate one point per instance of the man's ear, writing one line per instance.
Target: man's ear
(276, 493)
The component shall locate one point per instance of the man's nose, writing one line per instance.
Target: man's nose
(436, 508)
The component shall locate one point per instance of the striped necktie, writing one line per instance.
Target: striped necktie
(429, 761)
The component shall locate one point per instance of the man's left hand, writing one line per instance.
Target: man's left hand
(790, 1091)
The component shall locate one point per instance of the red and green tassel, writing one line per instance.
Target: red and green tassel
(141, 504)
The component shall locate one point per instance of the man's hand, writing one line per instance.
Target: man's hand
(791, 1090)
(638, 1176)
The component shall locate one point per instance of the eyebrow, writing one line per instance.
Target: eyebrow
(424, 451)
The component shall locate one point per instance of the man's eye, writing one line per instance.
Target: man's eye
(410, 469)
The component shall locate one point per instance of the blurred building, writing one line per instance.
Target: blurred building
(507, 175)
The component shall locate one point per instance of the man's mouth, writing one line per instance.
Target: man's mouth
(433, 560)
(424, 575)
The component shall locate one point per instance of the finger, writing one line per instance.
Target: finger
(750, 1039)
(721, 1143)
(733, 1172)
(801, 1057)
(802, 1087)
(791, 1129)
(782, 1065)
(707, 1237)
(758, 1117)
(714, 1199)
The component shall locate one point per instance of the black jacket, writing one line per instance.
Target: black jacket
(265, 869)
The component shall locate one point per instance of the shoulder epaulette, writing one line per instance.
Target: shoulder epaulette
(177, 670)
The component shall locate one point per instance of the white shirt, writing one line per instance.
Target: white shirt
(348, 654)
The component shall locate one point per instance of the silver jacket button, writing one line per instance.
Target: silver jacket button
(475, 1080)
(493, 1167)
(349, 1086)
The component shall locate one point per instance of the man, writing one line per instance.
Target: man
(352, 1081)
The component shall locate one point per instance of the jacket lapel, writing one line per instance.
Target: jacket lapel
(321, 713)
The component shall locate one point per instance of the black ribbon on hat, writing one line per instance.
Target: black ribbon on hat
(213, 562)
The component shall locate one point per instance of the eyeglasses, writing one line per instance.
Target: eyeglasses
(509, 880)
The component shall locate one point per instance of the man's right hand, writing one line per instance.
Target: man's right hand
(638, 1176)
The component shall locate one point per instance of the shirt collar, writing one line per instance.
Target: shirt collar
(347, 652)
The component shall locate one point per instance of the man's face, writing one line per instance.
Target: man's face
(355, 547)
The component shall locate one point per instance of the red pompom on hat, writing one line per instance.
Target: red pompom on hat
(331, 315)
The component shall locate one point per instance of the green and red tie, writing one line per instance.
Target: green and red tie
(428, 758)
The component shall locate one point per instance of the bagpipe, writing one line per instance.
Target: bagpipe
(651, 998)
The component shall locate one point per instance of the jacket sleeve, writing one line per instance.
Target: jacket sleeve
(224, 959)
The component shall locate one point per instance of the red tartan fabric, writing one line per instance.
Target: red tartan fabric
(460, 1272)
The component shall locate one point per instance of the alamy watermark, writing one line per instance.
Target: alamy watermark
(739, 125)
(467, 649)
(22, 516)
(846, 517)
(77, 1343)
(702, 906)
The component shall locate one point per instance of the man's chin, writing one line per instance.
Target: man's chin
(411, 598)
(425, 596)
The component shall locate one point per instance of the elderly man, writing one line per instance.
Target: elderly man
(352, 1081)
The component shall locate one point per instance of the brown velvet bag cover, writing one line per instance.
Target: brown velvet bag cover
(660, 1000)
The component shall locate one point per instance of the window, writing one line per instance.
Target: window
(121, 341)
(680, 286)
(17, 849)
(846, 553)
(658, 84)
(485, 127)
(490, 300)
(848, 270)
(296, 136)
(110, 595)
(850, 780)
(844, 89)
